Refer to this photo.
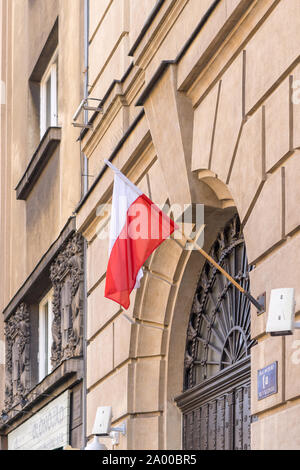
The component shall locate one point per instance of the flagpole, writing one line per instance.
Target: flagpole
(197, 247)
(217, 266)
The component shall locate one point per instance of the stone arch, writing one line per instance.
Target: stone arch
(218, 187)
(171, 281)
(188, 274)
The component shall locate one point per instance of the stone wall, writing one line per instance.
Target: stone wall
(220, 127)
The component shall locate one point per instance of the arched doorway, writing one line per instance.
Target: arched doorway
(216, 398)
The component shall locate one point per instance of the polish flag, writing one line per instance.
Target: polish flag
(137, 228)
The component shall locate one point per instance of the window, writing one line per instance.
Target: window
(45, 335)
(48, 102)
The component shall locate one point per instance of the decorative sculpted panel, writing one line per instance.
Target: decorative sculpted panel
(67, 278)
(17, 332)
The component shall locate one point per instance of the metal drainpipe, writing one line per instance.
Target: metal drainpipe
(85, 189)
(86, 81)
(84, 384)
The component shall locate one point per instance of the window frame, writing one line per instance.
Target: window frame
(52, 74)
(45, 342)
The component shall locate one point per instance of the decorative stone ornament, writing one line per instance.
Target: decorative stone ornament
(66, 274)
(67, 278)
(17, 357)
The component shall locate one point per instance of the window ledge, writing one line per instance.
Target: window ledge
(40, 158)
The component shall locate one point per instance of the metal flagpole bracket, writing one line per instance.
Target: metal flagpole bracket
(85, 106)
(260, 307)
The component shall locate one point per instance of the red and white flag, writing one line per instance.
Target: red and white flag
(137, 228)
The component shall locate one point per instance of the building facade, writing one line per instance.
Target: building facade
(41, 253)
(197, 102)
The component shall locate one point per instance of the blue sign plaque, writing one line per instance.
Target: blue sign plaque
(267, 381)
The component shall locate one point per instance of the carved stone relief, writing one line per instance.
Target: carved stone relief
(17, 332)
(66, 275)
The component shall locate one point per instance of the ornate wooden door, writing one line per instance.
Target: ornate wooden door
(216, 398)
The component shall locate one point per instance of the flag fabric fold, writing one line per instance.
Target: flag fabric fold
(137, 228)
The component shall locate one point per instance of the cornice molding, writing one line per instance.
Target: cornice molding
(146, 26)
(111, 158)
(194, 397)
(166, 63)
(150, 44)
(104, 123)
(68, 373)
(134, 167)
(120, 94)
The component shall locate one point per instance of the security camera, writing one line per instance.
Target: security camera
(102, 425)
(281, 314)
